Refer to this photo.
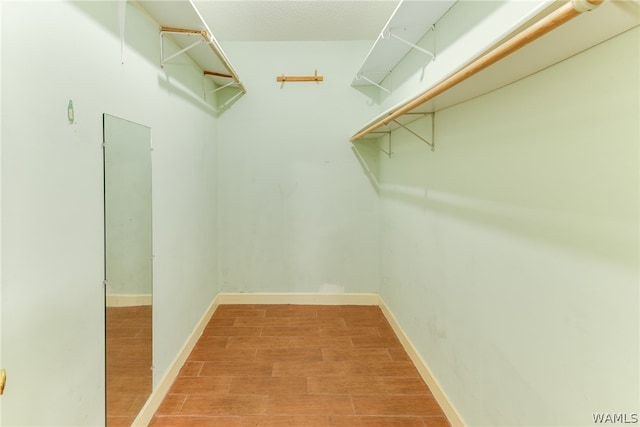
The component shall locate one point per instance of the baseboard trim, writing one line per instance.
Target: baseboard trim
(438, 393)
(157, 396)
(299, 298)
(128, 300)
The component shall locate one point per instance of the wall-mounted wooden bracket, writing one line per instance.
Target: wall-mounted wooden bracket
(314, 78)
(214, 74)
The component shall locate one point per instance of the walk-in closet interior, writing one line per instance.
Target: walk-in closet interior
(320, 213)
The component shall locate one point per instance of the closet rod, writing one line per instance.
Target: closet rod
(217, 49)
(550, 22)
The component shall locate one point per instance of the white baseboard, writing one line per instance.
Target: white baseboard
(157, 396)
(299, 298)
(128, 300)
(452, 415)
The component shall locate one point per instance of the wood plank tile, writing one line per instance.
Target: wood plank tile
(329, 311)
(382, 369)
(268, 385)
(309, 369)
(323, 322)
(376, 421)
(367, 341)
(385, 330)
(436, 421)
(258, 342)
(291, 311)
(262, 321)
(201, 385)
(231, 331)
(348, 332)
(172, 404)
(398, 354)
(364, 321)
(321, 342)
(190, 421)
(395, 405)
(297, 355)
(362, 354)
(359, 311)
(346, 385)
(223, 321)
(299, 365)
(208, 354)
(406, 386)
(310, 405)
(121, 405)
(290, 331)
(239, 368)
(212, 341)
(128, 385)
(285, 421)
(211, 404)
(191, 369)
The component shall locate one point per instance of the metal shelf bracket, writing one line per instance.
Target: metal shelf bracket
(368, 80)
(417, 135)
(163, 31)
(413, 45)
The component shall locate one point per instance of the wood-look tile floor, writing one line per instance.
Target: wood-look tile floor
(298, 366)
(128, 360)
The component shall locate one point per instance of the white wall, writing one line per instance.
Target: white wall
(52, 217)
(510, 254)
(296, 211)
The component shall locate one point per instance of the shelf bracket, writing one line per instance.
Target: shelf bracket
(420, 137)
(413, 45)
(219, 108)
(366, 79)
(387, 152)
(165, 30)
(221, 87)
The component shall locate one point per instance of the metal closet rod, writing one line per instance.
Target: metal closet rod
(552, 21)
(216, 48)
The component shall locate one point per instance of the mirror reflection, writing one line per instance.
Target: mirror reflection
(128, 267)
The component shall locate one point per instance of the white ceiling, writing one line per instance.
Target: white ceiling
(295, 20)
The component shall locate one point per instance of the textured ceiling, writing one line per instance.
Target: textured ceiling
(295, 20)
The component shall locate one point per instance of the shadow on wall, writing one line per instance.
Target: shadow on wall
(181, 77)
(442, 183)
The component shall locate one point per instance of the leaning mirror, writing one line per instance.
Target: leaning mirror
(128, 267)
